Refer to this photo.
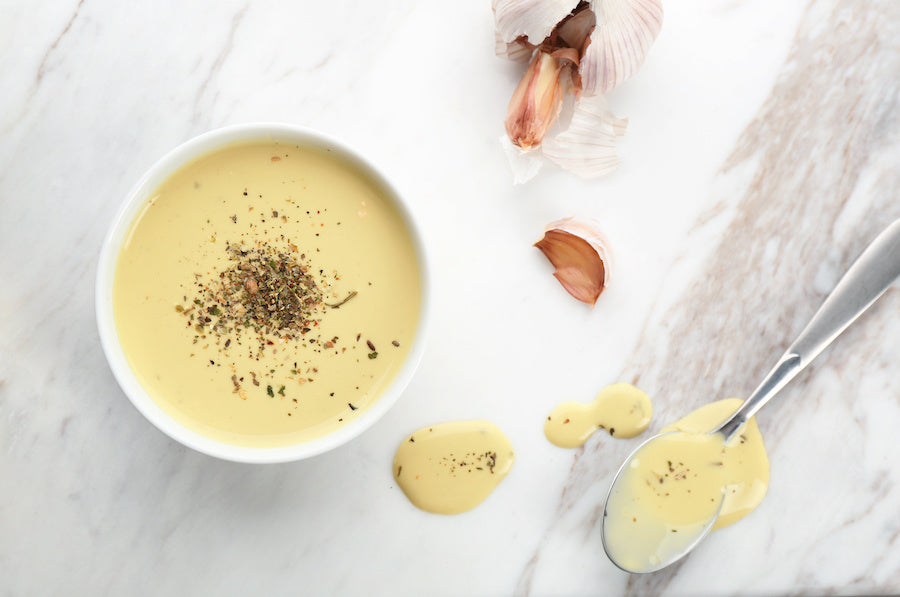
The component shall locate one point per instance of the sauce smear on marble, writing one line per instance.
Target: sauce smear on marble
(622, 409)
(452, 467)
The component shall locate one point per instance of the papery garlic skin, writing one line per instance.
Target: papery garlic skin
(619, 43)
(536, 102)
(576, 29)
(588, 146)
(524, 165)
(517, 50)
(535, 19)
(580, 253)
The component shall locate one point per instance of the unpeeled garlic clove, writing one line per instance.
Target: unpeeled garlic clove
(536, 102)
(579, 252)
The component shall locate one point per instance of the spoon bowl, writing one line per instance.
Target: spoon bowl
(651, 546)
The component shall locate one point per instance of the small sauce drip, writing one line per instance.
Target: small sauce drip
(674, 486)
(452, 467)
(622, 409)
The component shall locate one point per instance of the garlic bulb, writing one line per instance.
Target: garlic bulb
(579, 252)
(585, 48)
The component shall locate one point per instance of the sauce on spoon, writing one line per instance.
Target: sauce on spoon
(676, 484)
(873, 272)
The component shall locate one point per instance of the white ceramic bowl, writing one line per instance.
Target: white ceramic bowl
(104, 293)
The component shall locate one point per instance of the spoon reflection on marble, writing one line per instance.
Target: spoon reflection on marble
(641, 548)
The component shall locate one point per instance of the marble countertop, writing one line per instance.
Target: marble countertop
(761, 156)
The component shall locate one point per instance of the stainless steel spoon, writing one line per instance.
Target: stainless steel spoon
(870, 275)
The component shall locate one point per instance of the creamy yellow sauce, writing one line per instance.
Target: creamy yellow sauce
(621, 409)
(452, 467)
(746, 461)
(676, 483)
(307, 203)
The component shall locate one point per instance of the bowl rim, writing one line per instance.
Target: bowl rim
(134, 201)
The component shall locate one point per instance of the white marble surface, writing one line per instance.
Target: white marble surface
(761, 155)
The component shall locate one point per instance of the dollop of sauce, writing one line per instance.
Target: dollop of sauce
(675, 484)
(452, 467)
(622, 409)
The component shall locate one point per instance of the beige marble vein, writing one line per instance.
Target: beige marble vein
(42, 69)
(822, 153)
(216, 67)
(44, 66)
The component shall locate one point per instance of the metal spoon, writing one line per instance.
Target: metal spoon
(874, 271)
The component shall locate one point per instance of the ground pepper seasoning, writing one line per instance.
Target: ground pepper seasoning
(264, 295)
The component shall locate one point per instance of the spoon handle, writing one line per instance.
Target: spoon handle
(866, 280)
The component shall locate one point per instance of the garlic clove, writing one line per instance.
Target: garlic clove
(536, 102)
(579, 252)
(619, 43)
(588, 146)
(535, 19)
